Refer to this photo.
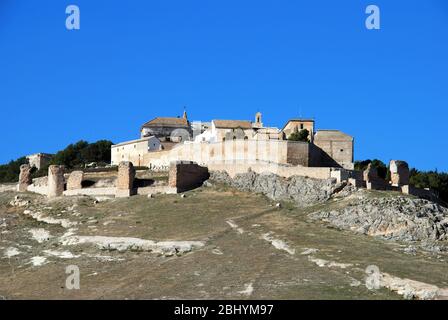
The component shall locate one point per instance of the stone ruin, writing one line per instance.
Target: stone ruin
(24, 178)
(186, 175)
(74, 181)
(125, 180)
(372, 180)
(55, 181)
(399, 173)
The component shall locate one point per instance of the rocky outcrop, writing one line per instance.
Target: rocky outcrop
(302, 190)
(394, 217)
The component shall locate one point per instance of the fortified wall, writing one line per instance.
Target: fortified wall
(243, 153)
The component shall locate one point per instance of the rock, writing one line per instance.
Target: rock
(398, 218)
(150, 196)
(207, 184)
(18, 202)
(278, 205)
(182, 195)
(302, 190)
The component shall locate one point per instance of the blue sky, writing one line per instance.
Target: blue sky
(135, 60)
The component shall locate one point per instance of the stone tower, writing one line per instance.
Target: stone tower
(258, 123)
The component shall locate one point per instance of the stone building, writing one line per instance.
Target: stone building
(168, 129)
(39, 160)
(337, 146)
(134, 150)
(296, 125)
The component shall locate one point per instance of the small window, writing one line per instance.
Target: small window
(223, 139)
(342, 150)
(301, 126)
(246, 138)
(234, 138)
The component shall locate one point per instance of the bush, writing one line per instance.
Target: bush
(301, 135)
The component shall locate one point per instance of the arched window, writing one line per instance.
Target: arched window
(246, 138)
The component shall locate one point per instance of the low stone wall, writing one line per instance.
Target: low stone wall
(39, 185)
(417, 192)
(186, 175)
(8, 187)
(155, 190)
(91, 192)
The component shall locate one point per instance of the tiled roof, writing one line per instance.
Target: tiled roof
(166, 122)
(232, 124)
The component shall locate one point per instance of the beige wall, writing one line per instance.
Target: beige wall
(338, 146)
(134, 151)
(293, 124)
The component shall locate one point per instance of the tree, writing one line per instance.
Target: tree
(301, 135)
(81, 153)
(10, 172)
(383, 171)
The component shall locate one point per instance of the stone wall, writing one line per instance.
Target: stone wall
(55, 181)
(125, 180)
(298, 153)
(285, 171)
(337, 148)
(74, 181)
(399, 172)
(186, 175)
(24, 178)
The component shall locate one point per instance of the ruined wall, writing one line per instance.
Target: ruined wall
(74, 181)
(186, 175)
(55, 181)
(399, 172)
(125, 180)
(24, 178)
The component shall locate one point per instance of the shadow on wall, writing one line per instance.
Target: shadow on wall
(319, 158)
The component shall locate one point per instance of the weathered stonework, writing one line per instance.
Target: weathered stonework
(399, 173)
(370, 174)
(24, 178)
(125, 181)
(74, 181)
(186, 175)
(55, 181)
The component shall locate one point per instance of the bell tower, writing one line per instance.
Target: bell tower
(258, 123)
